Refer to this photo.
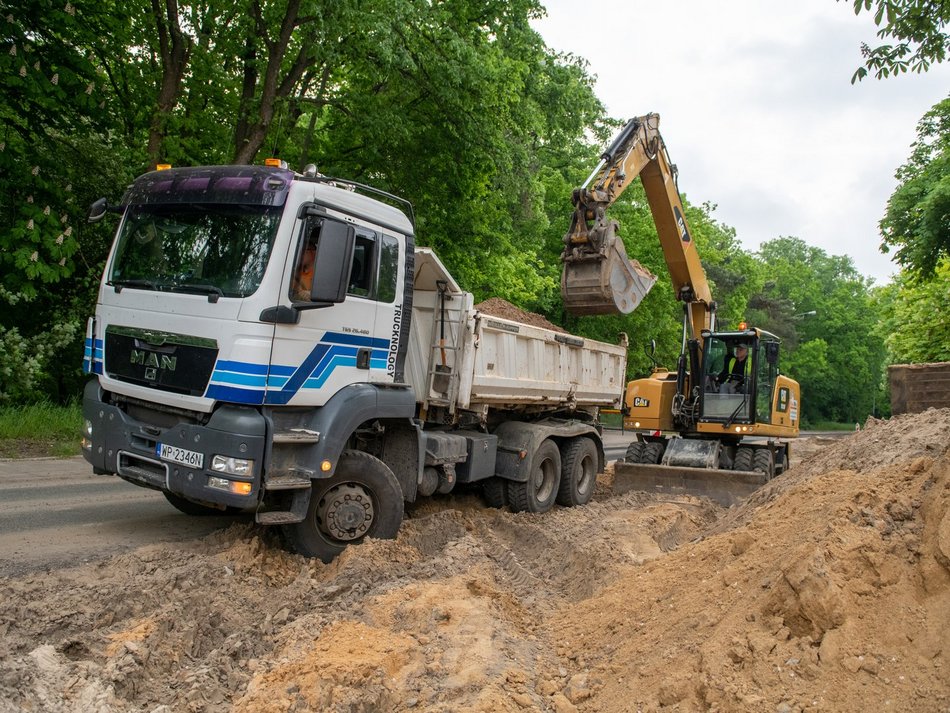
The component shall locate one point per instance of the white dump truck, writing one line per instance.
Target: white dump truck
(272, 342)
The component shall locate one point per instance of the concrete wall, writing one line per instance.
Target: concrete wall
(917, 387)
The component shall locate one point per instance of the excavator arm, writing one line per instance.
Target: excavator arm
(598, 277)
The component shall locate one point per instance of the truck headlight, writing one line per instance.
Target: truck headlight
(233, 466)
(87, 435)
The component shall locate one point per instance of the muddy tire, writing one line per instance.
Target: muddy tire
(784, 465)
(196, 509)
(653, 452)
(762, 461)
(634, 452)
(538, 493)
(362, 499)
(578, 472)
(743, 459)
(495, 492)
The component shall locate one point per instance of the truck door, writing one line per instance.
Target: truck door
(333, 344)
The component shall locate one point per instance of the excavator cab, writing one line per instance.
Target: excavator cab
(743, 391)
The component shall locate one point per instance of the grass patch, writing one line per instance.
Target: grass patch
(40, 430)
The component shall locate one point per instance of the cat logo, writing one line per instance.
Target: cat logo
(640, 402)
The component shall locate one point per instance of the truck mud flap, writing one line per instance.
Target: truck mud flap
(726, 487)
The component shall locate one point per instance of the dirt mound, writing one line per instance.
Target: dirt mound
(498, 307)
(828, 591)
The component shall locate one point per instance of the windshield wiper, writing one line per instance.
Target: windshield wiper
(735, 414)
(213, 291)
(138, 284)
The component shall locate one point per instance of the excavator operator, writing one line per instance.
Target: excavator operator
(736, 369)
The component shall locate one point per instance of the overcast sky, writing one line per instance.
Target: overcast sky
(758, 111)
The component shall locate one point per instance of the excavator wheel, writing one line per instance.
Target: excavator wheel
(743, 459)
(784, 464)
(634, 452)
(762, 461)
(653, 452)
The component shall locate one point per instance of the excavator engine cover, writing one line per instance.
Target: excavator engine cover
(603, 281)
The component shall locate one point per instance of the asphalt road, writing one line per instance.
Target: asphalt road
(55, 513)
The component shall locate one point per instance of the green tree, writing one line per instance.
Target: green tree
(915, 323)
(839, 359)
(917, 222)
(56, 147)
(918, 26)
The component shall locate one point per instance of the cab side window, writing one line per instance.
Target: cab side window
(301, 282)
(363, 272)
(373, 273)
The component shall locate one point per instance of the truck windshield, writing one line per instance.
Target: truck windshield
(201, 248)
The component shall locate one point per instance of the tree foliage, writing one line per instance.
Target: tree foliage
(915, 323)
(917, 221)
(836, 354)
(918, 29)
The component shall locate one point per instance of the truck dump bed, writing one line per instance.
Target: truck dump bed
(460, 358)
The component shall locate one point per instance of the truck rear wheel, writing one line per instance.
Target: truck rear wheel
(495, 491)
(578, 472)
(540, 490)
(362, 499)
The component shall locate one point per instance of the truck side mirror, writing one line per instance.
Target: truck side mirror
(771, 353)
(98, 210)
(331, 271)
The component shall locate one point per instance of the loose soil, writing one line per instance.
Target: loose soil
(827, 590)
(498, 307)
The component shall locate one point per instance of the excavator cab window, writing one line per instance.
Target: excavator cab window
(727, 378)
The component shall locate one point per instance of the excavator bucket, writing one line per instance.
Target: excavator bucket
(726, 487)
(605, 281)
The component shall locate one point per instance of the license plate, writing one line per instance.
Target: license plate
(180, 455)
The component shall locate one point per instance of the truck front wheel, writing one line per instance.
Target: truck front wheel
(538, 493)
(362, 499)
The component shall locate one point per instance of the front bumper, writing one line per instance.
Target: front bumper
(127, 447)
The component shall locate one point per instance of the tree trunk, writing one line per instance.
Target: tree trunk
(175, 51)
(251, 131)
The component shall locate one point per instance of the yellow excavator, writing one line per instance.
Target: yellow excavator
(718, 425)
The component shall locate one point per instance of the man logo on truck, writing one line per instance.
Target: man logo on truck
(153, 360)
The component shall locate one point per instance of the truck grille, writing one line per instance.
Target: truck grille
(178, 363)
